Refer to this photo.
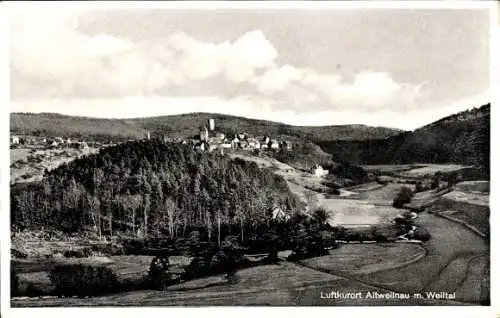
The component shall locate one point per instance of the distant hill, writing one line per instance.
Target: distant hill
(460, 138)
(182, 126)
(188, 124)
(52, 125)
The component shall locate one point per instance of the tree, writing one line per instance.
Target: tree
(320, 215)
(419, 187)
(436, 179)
(403, 197)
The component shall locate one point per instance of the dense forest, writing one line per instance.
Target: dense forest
(461, 138)
(149, 188)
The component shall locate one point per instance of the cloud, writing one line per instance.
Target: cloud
(52, 58)
(368, 90)
(50, 47)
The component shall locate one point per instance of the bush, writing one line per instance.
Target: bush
(419, 187)
(228, 258)
(403, 197)
(78, 253)
(421, 234)
(108, 248)
(436, 179)
(320, 215)
(379, 235)
(308, 240)
(82, 280)
(158, 274)
(198, 267)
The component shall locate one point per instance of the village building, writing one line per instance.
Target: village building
(274, 144)
(286, 145)
(201, 146)
(266, 140)
(14, 140)
(211, 124)
(279, 214)
(242, 136)
(235, 143)
(203, 133)
(244, 144)
(318, 171)
(253, 143)
(220, 136)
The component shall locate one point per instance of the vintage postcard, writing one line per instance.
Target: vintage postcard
(259, 155)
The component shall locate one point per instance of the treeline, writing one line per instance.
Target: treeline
(152, 188)
(462, 141)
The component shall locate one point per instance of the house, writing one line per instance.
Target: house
(244, 144)
(201, 146)
(274, 144)
(59, 140)
(242, 136)
(318, 171)
(226, 145)
(235, 143)
(220, 136)
(14, 140)
(211, 124)
(279, 214)
(253, 143)
(212, 147)
(203, 133)
(286, 145)
(265, 140)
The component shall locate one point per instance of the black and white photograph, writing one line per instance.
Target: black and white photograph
(249, 156)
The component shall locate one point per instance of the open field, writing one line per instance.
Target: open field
(473, 214)
(449, 250)
(384, 195)
(467, 197)
(278, 285)
(414, 170)
(431, 169)
(367, 258)
(482, 187)
(35, 271)
(351, 212)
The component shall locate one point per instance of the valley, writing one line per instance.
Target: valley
(441, 246)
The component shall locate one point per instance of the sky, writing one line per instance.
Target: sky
(380, 67)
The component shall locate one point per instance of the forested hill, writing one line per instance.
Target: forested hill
(53, 125)
(182, 126)
(155, 188)
(460, 138)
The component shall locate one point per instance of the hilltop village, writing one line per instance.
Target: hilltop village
(209, 139)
